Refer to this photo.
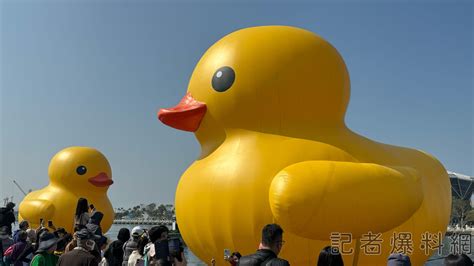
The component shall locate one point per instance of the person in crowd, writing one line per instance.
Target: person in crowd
(137, 254)
(63, 239)
(31, 236)
(7, 216)
(93, 225)
(234, 258)
(23, 226)
(6, 242)
(103, 245)
(27, 254)
(44, 254)
(18, 249)
(153, 249)
(398, 259)
(330, 256)
(60, 232)
(72, 244)
(40, 230)
(270, 246)
(82, 254)
(114, 253)
(81, 218)
(132, 244)
(156, 235)
(95, 229)
(458, 260)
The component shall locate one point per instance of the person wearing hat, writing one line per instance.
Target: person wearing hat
(7, 216)
(82, 254)
(63, 239)
(132, 244)
(46, 247)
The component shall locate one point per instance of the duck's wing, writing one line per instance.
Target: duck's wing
(33, 210)
(316, 198)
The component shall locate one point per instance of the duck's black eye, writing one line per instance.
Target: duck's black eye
(81, 170)
(223, 79)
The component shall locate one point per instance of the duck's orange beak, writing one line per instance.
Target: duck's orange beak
(187, 115)
(101, 180)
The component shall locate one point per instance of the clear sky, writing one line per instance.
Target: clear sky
(94, 73)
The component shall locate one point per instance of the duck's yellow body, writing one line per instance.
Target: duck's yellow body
(267, 105)
(74, 172)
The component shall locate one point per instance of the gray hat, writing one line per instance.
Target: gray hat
(397, 259)
(46, 241)
(84, 234)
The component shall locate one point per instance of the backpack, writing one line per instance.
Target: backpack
(7, 259)
(9, 251)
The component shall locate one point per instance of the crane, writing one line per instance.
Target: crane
(24, 193)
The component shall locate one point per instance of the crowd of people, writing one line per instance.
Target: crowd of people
(87, 246)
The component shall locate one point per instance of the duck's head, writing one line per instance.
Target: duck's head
(272, 79)
(80, 169)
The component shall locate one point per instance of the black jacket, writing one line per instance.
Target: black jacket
(114, 253)
(7, 217)
(263, 257)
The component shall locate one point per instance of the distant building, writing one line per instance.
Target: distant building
(462, 186)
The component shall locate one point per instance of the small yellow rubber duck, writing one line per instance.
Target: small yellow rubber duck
(74, 172)
(267, 105)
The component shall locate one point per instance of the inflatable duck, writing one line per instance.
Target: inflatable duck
(74, 172)
(267, 104)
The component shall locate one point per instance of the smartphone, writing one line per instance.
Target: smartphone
(226, 254)
(50, 223)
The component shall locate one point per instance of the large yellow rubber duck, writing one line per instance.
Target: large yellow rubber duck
(74, 172)
(267, 105)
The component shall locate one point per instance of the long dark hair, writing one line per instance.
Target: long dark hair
(330, 257)
(82, 206)
(142, 242)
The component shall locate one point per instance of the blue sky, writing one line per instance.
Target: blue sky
(94, 73)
